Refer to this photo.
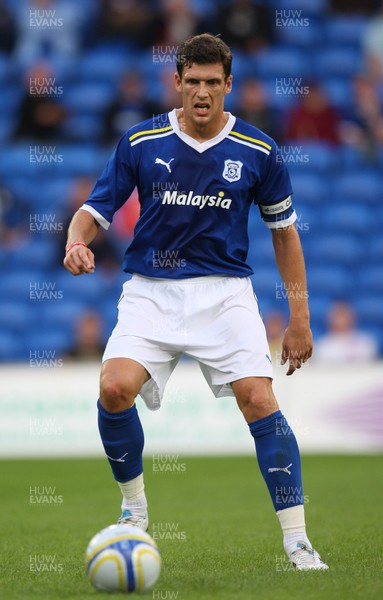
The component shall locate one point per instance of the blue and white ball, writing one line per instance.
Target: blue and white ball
(122, 558)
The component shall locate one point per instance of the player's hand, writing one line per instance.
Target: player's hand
(79, 260)
(297, 346)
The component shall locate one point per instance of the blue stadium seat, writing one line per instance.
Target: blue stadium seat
(308, 157)
(15, 160)
(267, 282)
(360, 186)
(310, 188)
(307, 220)
(306, 38)
(337, 249)
(10, 99)
(56, 342)
(15, 317)
(87, 290)
(38, 253)
(339, 62)
(282, 63)
(22, 186)
(12, 348)
(62, 315)
(84, 127)
(338, 91)
(80, 159)
(7, 127)
(374, 247)
(313, 7)
(53, 195)
(103, 65)
(344, 30)
(369, 310)
(261, 251)
(352, 158)
(328, 282)
(89, 98)
(16, 284)
(241, 68)
(321, 157)
(319, 302)
(371, 280)
(348, 218)
(275, 98)
(5, 67)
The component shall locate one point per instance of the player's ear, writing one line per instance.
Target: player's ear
(228, 84)
(177, 81)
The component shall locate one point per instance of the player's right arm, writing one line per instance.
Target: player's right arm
(111, 191)
(82, 230)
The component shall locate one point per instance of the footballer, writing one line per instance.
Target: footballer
(190, 291)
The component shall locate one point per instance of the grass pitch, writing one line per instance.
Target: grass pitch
(213, 522)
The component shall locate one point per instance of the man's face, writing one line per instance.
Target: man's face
(203, 89)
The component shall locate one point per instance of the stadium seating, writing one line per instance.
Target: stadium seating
(339, 62)
(344, 30)
(363, 186)
(337, 190)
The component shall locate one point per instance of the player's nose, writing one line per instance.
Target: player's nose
(202, 91)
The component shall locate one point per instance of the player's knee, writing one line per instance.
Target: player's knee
(116, 396)
(257, 403)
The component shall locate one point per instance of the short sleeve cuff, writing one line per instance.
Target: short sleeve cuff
(99, 218)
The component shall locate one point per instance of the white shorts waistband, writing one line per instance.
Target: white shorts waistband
(187, 281)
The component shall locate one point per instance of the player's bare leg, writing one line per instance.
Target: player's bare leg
(279, 461)
(122, 435)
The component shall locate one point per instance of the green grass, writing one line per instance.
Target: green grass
(230, 546)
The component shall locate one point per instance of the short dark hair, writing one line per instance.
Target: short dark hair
(204, 49)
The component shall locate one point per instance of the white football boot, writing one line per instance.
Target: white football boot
(138, 520)
(307, 559)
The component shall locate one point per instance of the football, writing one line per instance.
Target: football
(122, 558)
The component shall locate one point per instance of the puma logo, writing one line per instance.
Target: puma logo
(118, 459)
(159, 161)
(283, 469)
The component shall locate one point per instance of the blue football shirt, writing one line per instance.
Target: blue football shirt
(194, 196)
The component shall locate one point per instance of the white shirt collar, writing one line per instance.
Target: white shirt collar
(200, 146)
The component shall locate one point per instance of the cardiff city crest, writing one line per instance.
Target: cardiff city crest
(232, 170)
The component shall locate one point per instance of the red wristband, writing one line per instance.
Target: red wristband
(74, 244)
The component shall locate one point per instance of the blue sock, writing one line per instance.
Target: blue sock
(123, 440)
(278, 459)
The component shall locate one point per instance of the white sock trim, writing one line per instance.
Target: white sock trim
(292, 519)
(133, 491)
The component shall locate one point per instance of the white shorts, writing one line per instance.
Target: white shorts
(213, 319)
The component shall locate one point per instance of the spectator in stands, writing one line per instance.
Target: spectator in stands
(130, 21)
(362, 125)
(14, 217)
(41, 116)
(253, 107)
(7, 28)
(373, 46)
(168, 97)
(313, 118)
(129, 107)
(48, 28)
(275, 324)
(246, 25)
(177, 22)
(89, 338)
(344, 343)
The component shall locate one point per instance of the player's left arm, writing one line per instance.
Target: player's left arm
(297, 343)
